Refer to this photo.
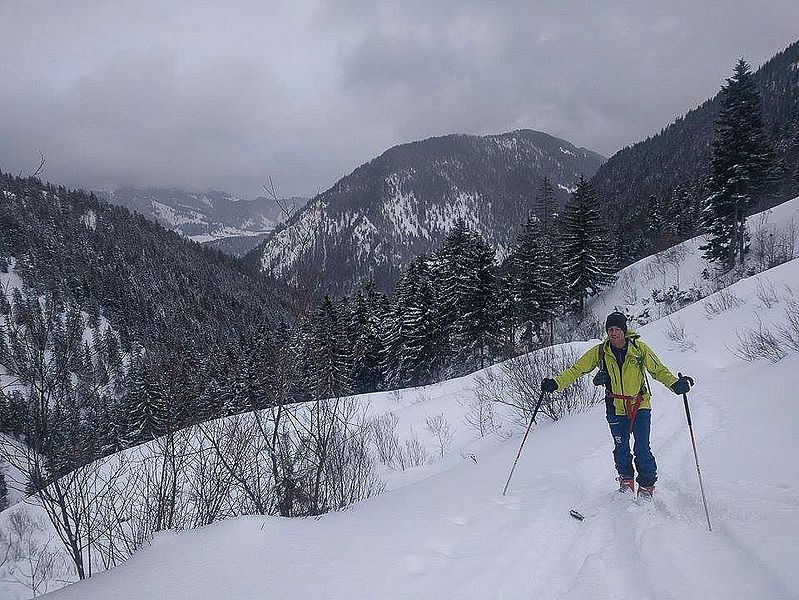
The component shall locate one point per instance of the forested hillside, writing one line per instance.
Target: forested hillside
(671, 168)
(372, 223)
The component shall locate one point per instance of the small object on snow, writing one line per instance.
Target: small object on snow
(577, 515)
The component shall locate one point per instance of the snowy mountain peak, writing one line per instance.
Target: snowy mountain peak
(371, 223)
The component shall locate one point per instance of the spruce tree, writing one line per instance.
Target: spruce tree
(331, 360)
(466, 271)
(144, 407)
(368, 308)
(531, 282)
(422, 357)
(741, 168)
(588, 259)
(3, 492)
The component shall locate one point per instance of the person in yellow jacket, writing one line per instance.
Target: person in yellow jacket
(624, 361)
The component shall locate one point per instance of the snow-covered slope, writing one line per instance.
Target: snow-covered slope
(774, 235)
(444, 530)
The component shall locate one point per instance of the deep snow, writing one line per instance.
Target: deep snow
(445, 531)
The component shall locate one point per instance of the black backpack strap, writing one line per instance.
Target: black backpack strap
(645, 385)
(602, 356)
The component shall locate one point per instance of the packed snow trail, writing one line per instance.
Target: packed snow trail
(451, 534)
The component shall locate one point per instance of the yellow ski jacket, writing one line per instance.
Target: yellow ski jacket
(627, 381)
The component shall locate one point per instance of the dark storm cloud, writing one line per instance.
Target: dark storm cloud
(198, 94)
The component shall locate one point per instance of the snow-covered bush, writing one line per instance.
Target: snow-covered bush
(772, 245)
(440, 428)
(723, 300)
(767, 293)
(517, 383)
(673, 299)
(755, 344)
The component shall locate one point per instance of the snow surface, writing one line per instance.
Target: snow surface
(226, 232)
(444, 530)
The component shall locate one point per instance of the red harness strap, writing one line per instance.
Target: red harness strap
(631, 405)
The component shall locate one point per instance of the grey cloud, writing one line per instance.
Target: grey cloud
(204, 95)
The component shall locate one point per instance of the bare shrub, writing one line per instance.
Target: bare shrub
(754, 344)
(771, 246)
(789, 333)
(627, 285)
(767, 293)
(414, 454)
(517, 384)
(439, 427)
(587, 327)
(421, 397)
(28, 559)
(479, 413)
(721, 301)
(675, 332)
(382, 432)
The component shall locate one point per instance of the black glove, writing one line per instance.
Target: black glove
(549, 385)
(682, 385)
(601, 378)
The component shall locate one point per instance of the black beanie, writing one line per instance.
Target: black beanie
(616, 319)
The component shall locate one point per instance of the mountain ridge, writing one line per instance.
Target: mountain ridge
(401, 203)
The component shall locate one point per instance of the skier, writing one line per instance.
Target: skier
(623, 360)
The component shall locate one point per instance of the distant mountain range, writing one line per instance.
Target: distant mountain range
(215, 218)
(373, 222)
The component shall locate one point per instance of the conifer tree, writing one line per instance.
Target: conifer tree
(368, 308)
(586, 250)
(741, 168)
(239, 396)
(654, 220)
(144, 407)
(331, 360)
(535, 267)
(422, 356)
(466, 271)
(531, 284)
(3, 492)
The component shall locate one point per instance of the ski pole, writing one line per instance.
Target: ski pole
(696, 456)
(535, 412)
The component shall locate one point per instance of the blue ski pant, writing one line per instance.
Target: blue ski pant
(644, 460)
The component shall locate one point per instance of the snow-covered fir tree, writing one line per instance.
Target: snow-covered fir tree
(588, 260)
(466, 271)
(368, 307)
(331, 358)
(422, 357)
(535, 267)
(3, 492)
(741, 168)
(144, 409)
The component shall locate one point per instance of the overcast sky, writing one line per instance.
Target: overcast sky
(224, 94)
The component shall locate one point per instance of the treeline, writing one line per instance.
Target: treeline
(457, 309)
(77, 390)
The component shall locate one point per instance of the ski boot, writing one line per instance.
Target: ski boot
(645, 491)
(626, 484)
